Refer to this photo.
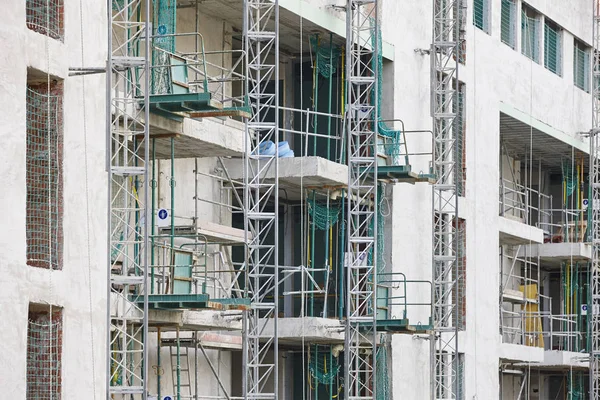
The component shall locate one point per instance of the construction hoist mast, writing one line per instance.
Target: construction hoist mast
(127, 156)
(594, 209)
(444, 86)
(361, 128)
(261, 204)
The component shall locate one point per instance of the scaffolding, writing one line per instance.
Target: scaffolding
(445, 380)
(128, 80)
(360, 347)
(594, 296)
(260, 220)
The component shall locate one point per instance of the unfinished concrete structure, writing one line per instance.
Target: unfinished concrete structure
(362, 199)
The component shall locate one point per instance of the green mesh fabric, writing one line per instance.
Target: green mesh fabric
(393, 146)
(569, 176)
(165, 15)
(117, 4)
(320, 368)
(324, 60)
(383, 380)
(322, 216)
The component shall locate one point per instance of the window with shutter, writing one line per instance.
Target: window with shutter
(581, 65)
(552, 47)
(481, 15)
(529, 34)
(508, 21)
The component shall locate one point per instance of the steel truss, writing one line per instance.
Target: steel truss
(261, 203)
(361, 115)
(127, 164)
(445, 369)
(594, 325)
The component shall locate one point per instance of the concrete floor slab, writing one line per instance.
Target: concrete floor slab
(297, 173)
(195, 320)
(514, 232)
(516, 353)
(554, 254)
(209, 137)
(307, 330)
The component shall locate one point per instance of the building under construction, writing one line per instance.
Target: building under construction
(300, 199)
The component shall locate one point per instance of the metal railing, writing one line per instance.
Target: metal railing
(203, 71)
(516, 201)
(559, 224)
(543, 329)
(393, 293)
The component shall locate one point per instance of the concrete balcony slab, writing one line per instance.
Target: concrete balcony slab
(513, 232)
(209, 137)
(516, 353)
(554, 254)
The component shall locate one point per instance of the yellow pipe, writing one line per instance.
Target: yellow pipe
(343, 85)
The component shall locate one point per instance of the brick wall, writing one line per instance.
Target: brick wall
(44, 354)
(46, 17)
(44, 155)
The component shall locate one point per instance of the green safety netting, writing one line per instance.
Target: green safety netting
(165, 15)
(382, 381)
(392, 144)
(570, 177)
(325, 57)
(322, 215)
(323, 366)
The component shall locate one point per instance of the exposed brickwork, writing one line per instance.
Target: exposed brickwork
(459, 298)
(46, 17)
(44, 355)
(44, 209)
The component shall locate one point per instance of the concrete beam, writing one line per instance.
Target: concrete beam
(512, 232)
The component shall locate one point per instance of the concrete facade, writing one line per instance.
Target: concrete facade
(498, 79)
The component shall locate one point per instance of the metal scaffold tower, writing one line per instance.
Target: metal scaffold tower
(594, 325)
(445, 380)
(261, 44)
(127, 165)
(361, 128)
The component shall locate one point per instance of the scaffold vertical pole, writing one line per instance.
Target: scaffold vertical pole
(444, 341)
(594, 209)
(127, 165)
(360, 347)
(261, 203)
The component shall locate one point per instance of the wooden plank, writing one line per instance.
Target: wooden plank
(220, 113)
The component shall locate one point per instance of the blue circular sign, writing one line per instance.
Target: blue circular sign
(162, 29)
(163, 214)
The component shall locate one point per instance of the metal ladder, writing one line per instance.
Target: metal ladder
(185, 382)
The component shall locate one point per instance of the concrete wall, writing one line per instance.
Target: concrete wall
(83, 276)
(493, 73)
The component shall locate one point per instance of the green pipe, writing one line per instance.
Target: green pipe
(312, 258)
(172, 183)
(178, 367)
(158, 366)
(330, 369)
(330, 93)
(153, 211)
(316, 370)
(341, 259)
(316, 95)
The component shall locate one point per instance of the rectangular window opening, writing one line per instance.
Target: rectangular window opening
(530, 42)
(46, 17)
(508, 31)
(459, 298)
(44, 353)
(581, 65)
(44, 183)
(460, 132)
(481, 15)
(553, 47)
